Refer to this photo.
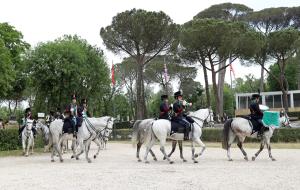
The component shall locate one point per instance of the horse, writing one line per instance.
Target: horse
(140, 130)
(284, 121)
(200, 117)
(86, 133)
(103, 137)
(161, 130)
(27, 136)
(45, 134)
(241, 128)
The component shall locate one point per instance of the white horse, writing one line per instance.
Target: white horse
(45, 134)
(86, 133)
(27, 136)
(161, 130)
(241, 128)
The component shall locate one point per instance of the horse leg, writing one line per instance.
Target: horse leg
(28, 147)
(148, 148)
(87, 148)
(174, 143)
(262, 144)
(230, 141)
(200, 143)
(240, 145)
(193, 152)
(181, 152)
(162, 149)
(56, 147)
(99, 147)
(73, 147)
(24, 145)
(138, 148)
(32, 145)
(269, 150)
(153, 155)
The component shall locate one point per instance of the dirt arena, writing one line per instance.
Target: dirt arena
(117, 168)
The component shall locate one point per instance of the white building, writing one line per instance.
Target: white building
(272, 99)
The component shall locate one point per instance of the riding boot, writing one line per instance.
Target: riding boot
(186, 134)
(260, 133)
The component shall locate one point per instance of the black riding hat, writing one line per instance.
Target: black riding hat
(163, 97)
(254, 96)
(27, 110)
(176, 94)
(73, 97)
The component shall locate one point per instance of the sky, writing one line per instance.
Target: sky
(46, 20)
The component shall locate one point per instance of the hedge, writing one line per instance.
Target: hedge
(215, 135)
(9, 140)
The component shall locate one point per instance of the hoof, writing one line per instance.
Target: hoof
(95, 156)
(89, 161)
(230, 160)
(52, 161)
(195, 162)
(273, 159)
(171, 162)
(26, 155)
(61, 160)
(196, 155)
(184, 160)
(155, 159)
(246, 158)
(147, 162)
(77, 158)
(253, 158)
(164, 158)
(72, 157)
(139, 160)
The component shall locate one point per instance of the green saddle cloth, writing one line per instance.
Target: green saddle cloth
(271, 118)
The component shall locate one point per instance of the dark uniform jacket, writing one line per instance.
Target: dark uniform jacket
(256, 113)
(178, 109)
(164, 111)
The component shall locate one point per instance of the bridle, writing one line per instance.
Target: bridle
(98, 132)
(204, 120)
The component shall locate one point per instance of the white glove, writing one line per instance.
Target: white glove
(171, 105)
(184, 103)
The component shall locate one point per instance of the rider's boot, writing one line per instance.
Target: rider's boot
(260, 133)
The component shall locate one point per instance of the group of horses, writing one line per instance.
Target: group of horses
(149, 130)
(92, 129)
(145, 132)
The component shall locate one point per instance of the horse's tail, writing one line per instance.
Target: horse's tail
(226, 129)
(135, 132)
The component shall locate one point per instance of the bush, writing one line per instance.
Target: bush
(9, 140)
(215, 135)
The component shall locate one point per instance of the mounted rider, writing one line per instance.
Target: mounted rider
(257, 114)
(27, 115)
(164, 108)
(71, 114)
(180, 117)
(81, 113)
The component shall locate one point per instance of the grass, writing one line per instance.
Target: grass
(19, 152)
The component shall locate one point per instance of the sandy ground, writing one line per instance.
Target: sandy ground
(117, 168)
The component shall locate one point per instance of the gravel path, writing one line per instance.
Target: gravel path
(117, 168)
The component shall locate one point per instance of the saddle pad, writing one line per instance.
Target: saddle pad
(177, 136)
(271, 118)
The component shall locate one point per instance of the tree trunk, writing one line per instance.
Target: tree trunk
(206, 82)
(140, 91)
(262, 71)
(215, 88)
(221, 82)
(284, 91)
(298, 75)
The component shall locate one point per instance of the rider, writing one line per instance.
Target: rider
(256, 113)
(180, 117)
(58, 114)
(81, 113)
(27, 115)
(72, 113)
(164, 108)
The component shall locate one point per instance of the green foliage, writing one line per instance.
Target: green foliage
(65, 66)
(9, 140)
(225, 11)
(291, 72)
(229, 100)
(250, 84)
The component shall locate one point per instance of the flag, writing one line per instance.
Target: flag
(113, 74)
(231, 70)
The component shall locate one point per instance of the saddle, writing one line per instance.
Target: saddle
(255, 125)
